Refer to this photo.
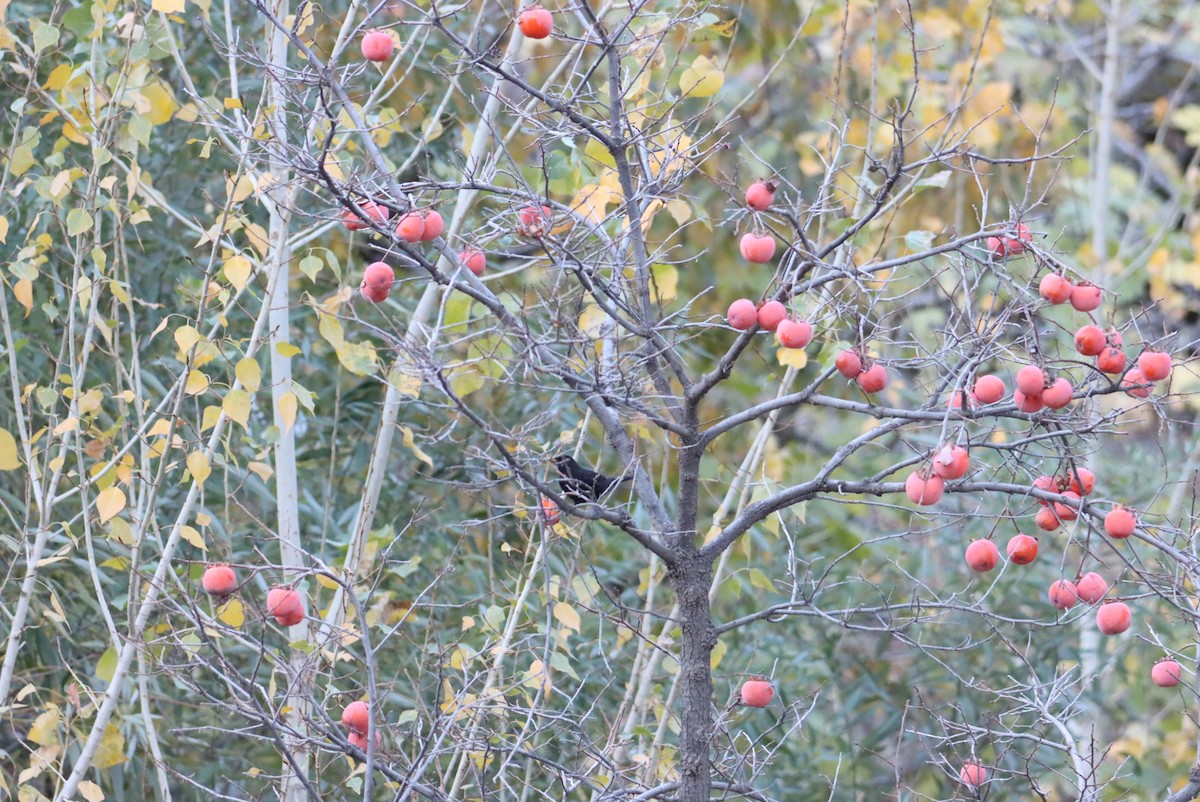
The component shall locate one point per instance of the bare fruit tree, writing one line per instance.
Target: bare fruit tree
(515, 403)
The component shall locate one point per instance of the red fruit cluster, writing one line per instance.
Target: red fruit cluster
(374, 212)
(356, 717)
(1084, 296)
(1003, 247)
(1035, 391)
(1089, 588)
(285, 605)
(420, 226)
(533, 222)
(1077, 483)
(377, 282)
(744, 314)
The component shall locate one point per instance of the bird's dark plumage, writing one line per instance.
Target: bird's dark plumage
(581, 485)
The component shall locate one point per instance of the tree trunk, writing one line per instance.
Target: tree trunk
(691, 578)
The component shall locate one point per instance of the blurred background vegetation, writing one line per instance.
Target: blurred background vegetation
(452, 539)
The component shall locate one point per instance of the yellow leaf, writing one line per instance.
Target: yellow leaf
(939, 25)
(287, 410)
(169, 6)
(595, 149)
(197, 382)
(185, 338)
(210, 417)
(249, 374)
(23, 289)
(111, 750)
(681, 210)
(565, 614)
(591, 202)
(110, 502)
(237, 271)
(9, 459)
(408, 384)
(90, 791)
(593, 321)
(197, 465)
(331, 329)
(232, 613)
(703, 79)
(191, 535)
(162, 102)
(286, 350)
(793, 358)
(716, 655)
(237, 406)
(260, 469)
(233, 103)
(4, 228)
(411, 444)
(45, 728)
(120, 531)
(665, 282)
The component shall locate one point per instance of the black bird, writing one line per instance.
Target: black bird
(581, 485)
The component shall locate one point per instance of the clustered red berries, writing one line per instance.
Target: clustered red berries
(744, 315)
(1003, 247)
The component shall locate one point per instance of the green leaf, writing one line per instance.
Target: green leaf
(917, 241)
(78, 222)
(140, 129)
(937, 180)
(311, 266)
(561, 662)
(358, 358)
(107, 665)
(44, 35)
(760, 580)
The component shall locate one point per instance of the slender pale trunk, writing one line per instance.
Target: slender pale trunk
(1084, 726)
(286, 494)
